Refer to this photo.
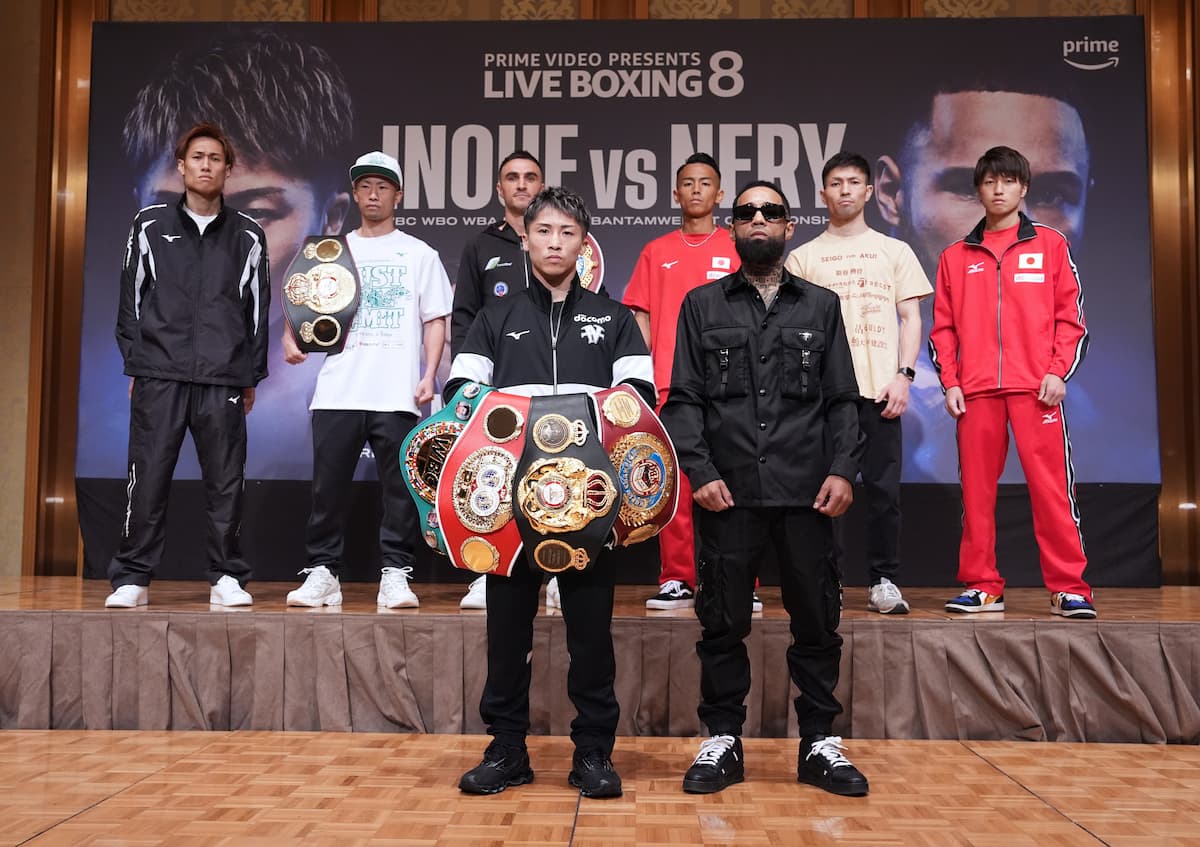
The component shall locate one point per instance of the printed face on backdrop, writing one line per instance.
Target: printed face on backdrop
(287, 208)
(928, 193)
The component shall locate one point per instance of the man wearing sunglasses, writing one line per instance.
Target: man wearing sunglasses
(763, 412)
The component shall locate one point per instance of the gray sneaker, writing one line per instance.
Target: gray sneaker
(886, 598)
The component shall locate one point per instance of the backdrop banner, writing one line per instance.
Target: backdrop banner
(921, 99)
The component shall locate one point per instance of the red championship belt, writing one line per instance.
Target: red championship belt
(644, 459)
(475, 490)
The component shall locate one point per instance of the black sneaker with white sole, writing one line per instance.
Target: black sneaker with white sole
(673, 594)
(822, 763)
(718, 765)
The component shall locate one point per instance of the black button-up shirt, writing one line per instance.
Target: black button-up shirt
(763, 398)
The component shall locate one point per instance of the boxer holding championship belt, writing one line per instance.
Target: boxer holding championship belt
(423, 456)
(474, 499)
(565, 495)
(320, 294)
(647, 471)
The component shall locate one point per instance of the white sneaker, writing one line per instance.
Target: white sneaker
(756, 605)
(394, 592)
(476, 596)
(553, 600)
(886, 598)
(128, 597)
(320, 588)
(227, 592)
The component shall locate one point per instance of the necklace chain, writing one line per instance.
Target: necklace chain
(683, 237)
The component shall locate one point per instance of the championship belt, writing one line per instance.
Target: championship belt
(320, 294)
(647, 469)
(565, 495)
(474, 500)
(590, 265)
(423, 456)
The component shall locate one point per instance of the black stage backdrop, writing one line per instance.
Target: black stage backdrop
(612, 109)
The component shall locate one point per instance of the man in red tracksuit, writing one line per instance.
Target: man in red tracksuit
(1008, 332)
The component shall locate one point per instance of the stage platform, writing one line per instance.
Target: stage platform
(68, 663)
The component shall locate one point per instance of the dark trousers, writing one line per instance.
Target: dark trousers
(587, 607)
(732, 543)
(881, 465)
(338, 438)
(160, 412)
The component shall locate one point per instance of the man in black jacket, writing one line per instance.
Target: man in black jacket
(192, 328)
(552, 338)
(762, 410)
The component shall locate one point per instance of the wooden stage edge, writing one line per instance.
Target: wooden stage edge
(179, 664)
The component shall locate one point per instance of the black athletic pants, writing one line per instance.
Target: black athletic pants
(732, 543)
(881, 463)
(587, 607)
(338, 438)
(160, 412)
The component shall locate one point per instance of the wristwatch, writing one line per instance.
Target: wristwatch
(908, 372)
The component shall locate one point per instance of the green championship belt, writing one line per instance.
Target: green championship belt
(423, 456)
(320, 294)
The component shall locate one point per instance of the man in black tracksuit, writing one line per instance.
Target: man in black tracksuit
(763, 412)
(492, 266)
(552, 338)
(192, 328)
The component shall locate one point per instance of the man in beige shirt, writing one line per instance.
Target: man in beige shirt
(880, 284)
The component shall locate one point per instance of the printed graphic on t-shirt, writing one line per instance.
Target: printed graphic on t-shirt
(383, 303)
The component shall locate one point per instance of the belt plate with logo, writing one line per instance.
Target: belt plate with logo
(647, 469)
(474, 499)
(565, 495)
(321, 293)
(423, 456)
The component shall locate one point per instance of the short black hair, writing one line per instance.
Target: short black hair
(1001, 162)
(564, 200)
(762, 183)
(699, 159)
(847, 159)
(519, 154)
(205, 130)
(280, 102)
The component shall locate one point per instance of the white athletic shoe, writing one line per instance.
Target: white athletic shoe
(476, 596)
(885, 598)
(394, 592)
(128, 597)
(320, 588)
(227, 592)
(553, 600)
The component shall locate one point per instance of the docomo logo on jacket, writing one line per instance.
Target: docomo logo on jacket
(1090, 48)
(589, 319)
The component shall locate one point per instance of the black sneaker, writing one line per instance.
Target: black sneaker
(503, 765)
(592, 772)
(673, 594)
(823, 765)
(718, 765)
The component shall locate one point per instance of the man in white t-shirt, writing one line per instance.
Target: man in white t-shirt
(880, 284)
(373, 390)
